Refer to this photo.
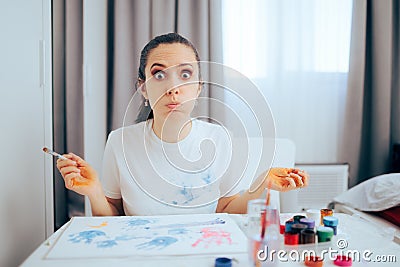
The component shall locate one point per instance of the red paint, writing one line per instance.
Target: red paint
(211, 236)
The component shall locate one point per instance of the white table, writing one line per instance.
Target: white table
(359, 234)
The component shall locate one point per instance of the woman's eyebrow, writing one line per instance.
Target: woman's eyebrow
(157, 64)
(164, 66)
(185, 64)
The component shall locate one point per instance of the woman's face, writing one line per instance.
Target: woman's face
(172, 81)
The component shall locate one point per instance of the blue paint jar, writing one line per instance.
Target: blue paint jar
(332, 222)
(288, 226)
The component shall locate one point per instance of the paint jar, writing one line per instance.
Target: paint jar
(342, 260)
(324, 234)
(291, 238)
(325, 212)
(223, 262)
(256, 210)
(298, 227)
(288, 226)
(314, 214)
(309, 222)
(297, 218)
(307, 236)
(312, 261)
(332, 222)
(282, 228)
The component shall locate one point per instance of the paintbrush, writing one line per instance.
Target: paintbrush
(264, 212)
(55, 154)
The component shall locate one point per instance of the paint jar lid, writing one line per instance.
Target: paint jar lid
(223, 262)
(330, 221)
(314, 261)
(297, 218)
(342, 260)
(288, 226)
(308, 221)
(297, 227)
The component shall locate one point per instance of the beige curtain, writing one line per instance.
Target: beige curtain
(372, 118)
(134, 23)
(67, 99)
(131, 24)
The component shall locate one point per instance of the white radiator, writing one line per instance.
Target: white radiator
(326, 182)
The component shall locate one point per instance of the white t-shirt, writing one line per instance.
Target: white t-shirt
(154, 177)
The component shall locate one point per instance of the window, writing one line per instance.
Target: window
(297, 53)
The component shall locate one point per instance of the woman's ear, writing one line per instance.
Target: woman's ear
(200, 88)
(142, 88)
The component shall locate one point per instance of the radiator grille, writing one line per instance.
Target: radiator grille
(326, 182)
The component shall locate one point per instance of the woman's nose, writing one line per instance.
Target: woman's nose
(173, 91)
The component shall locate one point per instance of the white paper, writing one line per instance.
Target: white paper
(110, 237)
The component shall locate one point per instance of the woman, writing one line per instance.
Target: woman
(156, 168)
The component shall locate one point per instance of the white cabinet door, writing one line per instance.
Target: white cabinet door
(26, 126)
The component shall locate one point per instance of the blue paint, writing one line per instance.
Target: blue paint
(207, 179)
(175, 202)
(187, 193)
(138, 222)
(157, 243)
(86, 236)
(125, 237)
(178, 231)
(106, 244)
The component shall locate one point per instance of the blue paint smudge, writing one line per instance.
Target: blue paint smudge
(86, 236)
(157, 243)
(207, 179)
(178, 231)
(106, 244)
(138, 222)
(126, 237)
(187, 193)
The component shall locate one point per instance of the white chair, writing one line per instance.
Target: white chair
(265, 153)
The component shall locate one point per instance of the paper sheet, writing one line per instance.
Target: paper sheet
(94, 237)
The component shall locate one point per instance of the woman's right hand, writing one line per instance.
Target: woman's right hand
(78, 175)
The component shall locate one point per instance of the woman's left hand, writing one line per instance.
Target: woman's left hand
(285, 179)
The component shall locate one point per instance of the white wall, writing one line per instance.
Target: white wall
(25, 114)
(95, 82)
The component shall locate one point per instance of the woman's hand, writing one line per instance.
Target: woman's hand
(285, 179)
(78, 175)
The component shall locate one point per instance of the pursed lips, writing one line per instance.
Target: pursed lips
(173, 105)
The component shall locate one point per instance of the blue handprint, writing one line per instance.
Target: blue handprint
(86, 236)
(157, 243)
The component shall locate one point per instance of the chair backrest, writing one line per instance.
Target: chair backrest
(264, 153)
(285, 154)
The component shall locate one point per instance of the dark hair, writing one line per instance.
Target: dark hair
(146, 113)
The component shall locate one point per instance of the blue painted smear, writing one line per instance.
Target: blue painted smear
(157, 243)
(178, 231)
(187, 193)
(207, 178)
(106, 244)
(125, 237)
(86, 236)
(138, 222)
(175, 202)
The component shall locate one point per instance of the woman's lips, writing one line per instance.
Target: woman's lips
(173, 105)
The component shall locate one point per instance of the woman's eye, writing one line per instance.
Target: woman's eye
(186, 74)
(159, 75)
